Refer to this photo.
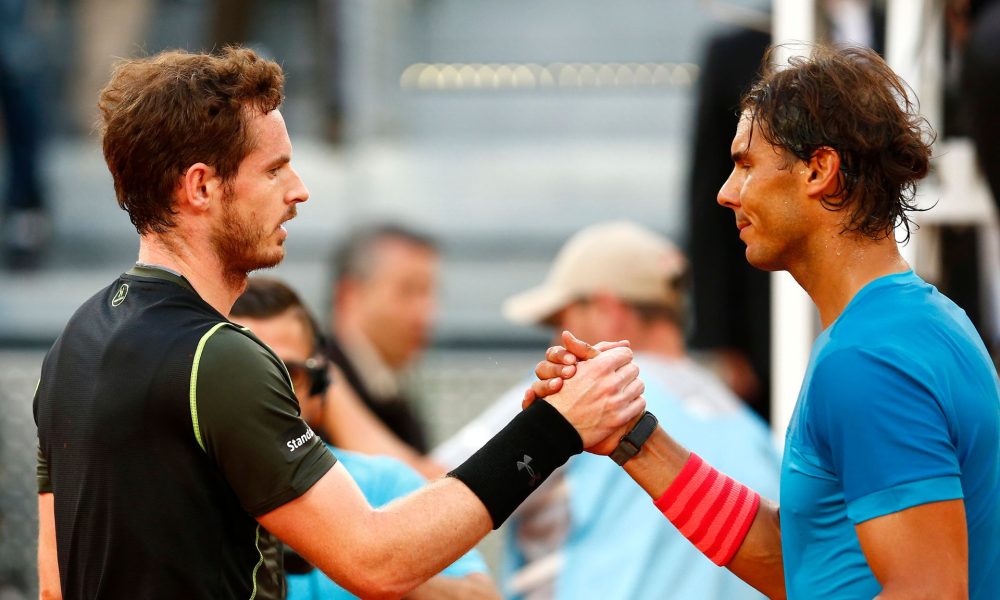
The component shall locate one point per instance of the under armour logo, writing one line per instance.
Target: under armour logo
(120, 296)
(525, 465)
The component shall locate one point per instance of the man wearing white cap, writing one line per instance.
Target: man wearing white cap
(619, 280)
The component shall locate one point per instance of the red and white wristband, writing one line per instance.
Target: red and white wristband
(712, 510)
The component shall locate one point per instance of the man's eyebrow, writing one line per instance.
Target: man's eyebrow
(737, 155)
(280, 161)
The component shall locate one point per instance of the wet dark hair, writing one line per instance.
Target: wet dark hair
(848, 99)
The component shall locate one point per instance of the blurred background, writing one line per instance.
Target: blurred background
(497, 127)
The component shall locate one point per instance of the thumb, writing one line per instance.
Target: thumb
(579, 348)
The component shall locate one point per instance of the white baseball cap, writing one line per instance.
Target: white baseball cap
(622, 258)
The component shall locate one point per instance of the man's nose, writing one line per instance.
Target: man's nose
(729, 192)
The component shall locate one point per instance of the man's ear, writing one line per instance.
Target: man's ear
(200, 187)
(823, 172)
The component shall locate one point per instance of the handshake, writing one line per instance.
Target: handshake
(596, 388)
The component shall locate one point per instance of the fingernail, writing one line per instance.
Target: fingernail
(567, 371)
(553, 383)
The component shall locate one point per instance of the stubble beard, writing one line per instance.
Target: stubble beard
(242, 246)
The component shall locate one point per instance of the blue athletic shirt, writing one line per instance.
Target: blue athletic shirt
(382, 479)
(900, 407)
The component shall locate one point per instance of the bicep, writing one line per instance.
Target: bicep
(923, 548)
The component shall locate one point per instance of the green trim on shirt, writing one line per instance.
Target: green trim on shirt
(160, 273)
(193, 393)
(253, 576)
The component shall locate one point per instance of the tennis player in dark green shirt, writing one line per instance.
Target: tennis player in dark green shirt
(170, 443)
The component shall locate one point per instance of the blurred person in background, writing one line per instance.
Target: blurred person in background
(24, 224)
(982, 86)
(591, 533)
(277, 316)
(736, 340)
(383, 301)
(231, 22)
(981, 83)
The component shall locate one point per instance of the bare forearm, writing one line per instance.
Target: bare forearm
(48, 563)
(758, 560)
(383, 553)
(446, 518)
(656, 466)
(476, 586)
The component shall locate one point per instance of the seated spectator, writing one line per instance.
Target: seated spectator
(276, 315)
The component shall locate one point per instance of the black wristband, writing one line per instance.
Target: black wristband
(518, 459)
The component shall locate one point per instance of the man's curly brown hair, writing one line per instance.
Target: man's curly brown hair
(166, 112)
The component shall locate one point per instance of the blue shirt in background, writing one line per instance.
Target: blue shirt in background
(900, 407)
(382, 480)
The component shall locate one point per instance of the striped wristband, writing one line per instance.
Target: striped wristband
(713, 511)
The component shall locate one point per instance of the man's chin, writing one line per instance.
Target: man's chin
(763, 263)
(259, 263)
(271, 261)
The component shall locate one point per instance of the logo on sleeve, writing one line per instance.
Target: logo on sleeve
(296, 441)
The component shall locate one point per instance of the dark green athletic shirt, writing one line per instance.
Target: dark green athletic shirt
(163, 430)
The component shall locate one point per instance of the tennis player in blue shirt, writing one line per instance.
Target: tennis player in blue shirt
(890, 477)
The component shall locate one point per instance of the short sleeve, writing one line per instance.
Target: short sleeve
(42, 473)
(246, 417)
(41, 463)
(886, 433)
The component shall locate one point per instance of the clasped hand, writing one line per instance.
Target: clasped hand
(596, 388)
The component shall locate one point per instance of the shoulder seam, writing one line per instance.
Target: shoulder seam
(193, 389)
